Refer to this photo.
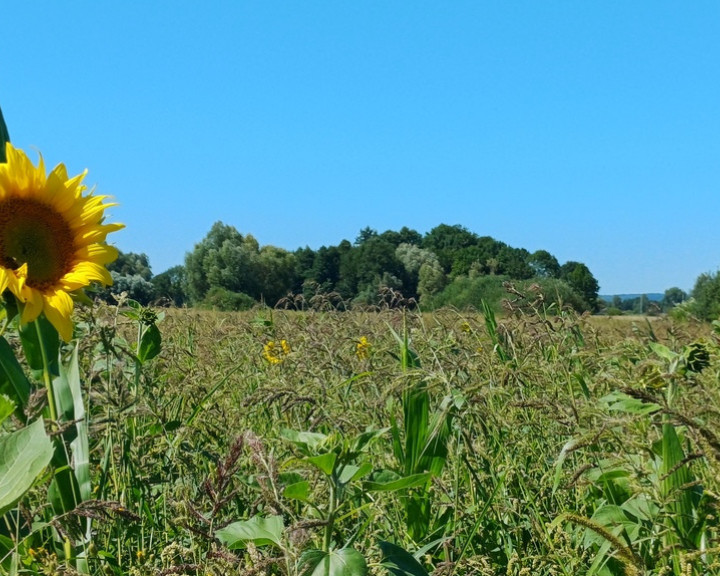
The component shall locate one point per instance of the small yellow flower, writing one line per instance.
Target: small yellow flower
(465, 327)
(362, 348)
(52, 239)
(274, 353)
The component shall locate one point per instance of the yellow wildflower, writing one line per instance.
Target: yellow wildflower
(274, 353)
(362, 348)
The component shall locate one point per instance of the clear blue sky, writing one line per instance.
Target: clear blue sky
(589, 129)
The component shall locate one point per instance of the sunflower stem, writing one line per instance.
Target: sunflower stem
(47, 379)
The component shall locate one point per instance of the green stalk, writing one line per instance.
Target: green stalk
(46, 375)
(331, 517)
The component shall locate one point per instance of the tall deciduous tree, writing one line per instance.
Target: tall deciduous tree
(580, 279)
(706, 295)
(544, 264)
(170, 285)
(223, 259)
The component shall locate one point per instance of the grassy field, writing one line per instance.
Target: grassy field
(388, 442)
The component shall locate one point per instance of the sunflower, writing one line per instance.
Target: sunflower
(52, 239)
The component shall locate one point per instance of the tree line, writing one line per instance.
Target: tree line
(448, 266)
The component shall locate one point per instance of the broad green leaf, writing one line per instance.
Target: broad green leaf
(343, 562)
(677, 489)
(351, 473)
(399, 561)
(663, 351)
(363, 440)
(621, 402)
(24, 454)
(323, 462)
(80, 446)
(412, 481)
(40, 355)
(297, 491)
(7, 407)
(13, 381)
(416, 412)
(642, 507)
(150, 343)
(307, 442)
(259, 530)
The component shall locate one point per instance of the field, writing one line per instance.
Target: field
(387, 442)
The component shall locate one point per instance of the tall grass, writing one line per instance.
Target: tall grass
(533, 441)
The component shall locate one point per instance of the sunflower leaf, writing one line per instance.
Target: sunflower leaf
(13, 381)
(24, 454)
(4, 137)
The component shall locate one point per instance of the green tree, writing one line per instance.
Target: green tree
(580, 279)
(672, 297)
(276, 273)
(706, 296)
(425, 276)
(304, 260)
(404, 236)
(544, 264)
(131, 273)
(448, 244)
(365, 234)
(514, 263)
(132, 264)
(377, 265)
(170, 286)
(431, 279)
(224, 259)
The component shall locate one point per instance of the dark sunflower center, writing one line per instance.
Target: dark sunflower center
(35, 234)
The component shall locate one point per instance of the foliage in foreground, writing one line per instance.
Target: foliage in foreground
(377, 442)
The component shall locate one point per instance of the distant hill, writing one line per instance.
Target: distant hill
(653, 296)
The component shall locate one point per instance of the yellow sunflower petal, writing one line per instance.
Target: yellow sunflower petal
(88, 272)
(98, 253)
(33, 306)
(58, 310)
(4, 280)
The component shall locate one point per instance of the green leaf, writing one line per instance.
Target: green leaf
(343, 562)
(663, 351)
(24, 454)
(7, 407)
(399, 561)
(39, 354)
(351, 472)
(403, 483)
(324, 462)
(150, 343)
(682, 497)
(307, 442)
(259, 530)
(4, 137)
(63, 492)
(297, 491)
(363, 440)
(13, 381)
(80, 446)
(621, 402)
